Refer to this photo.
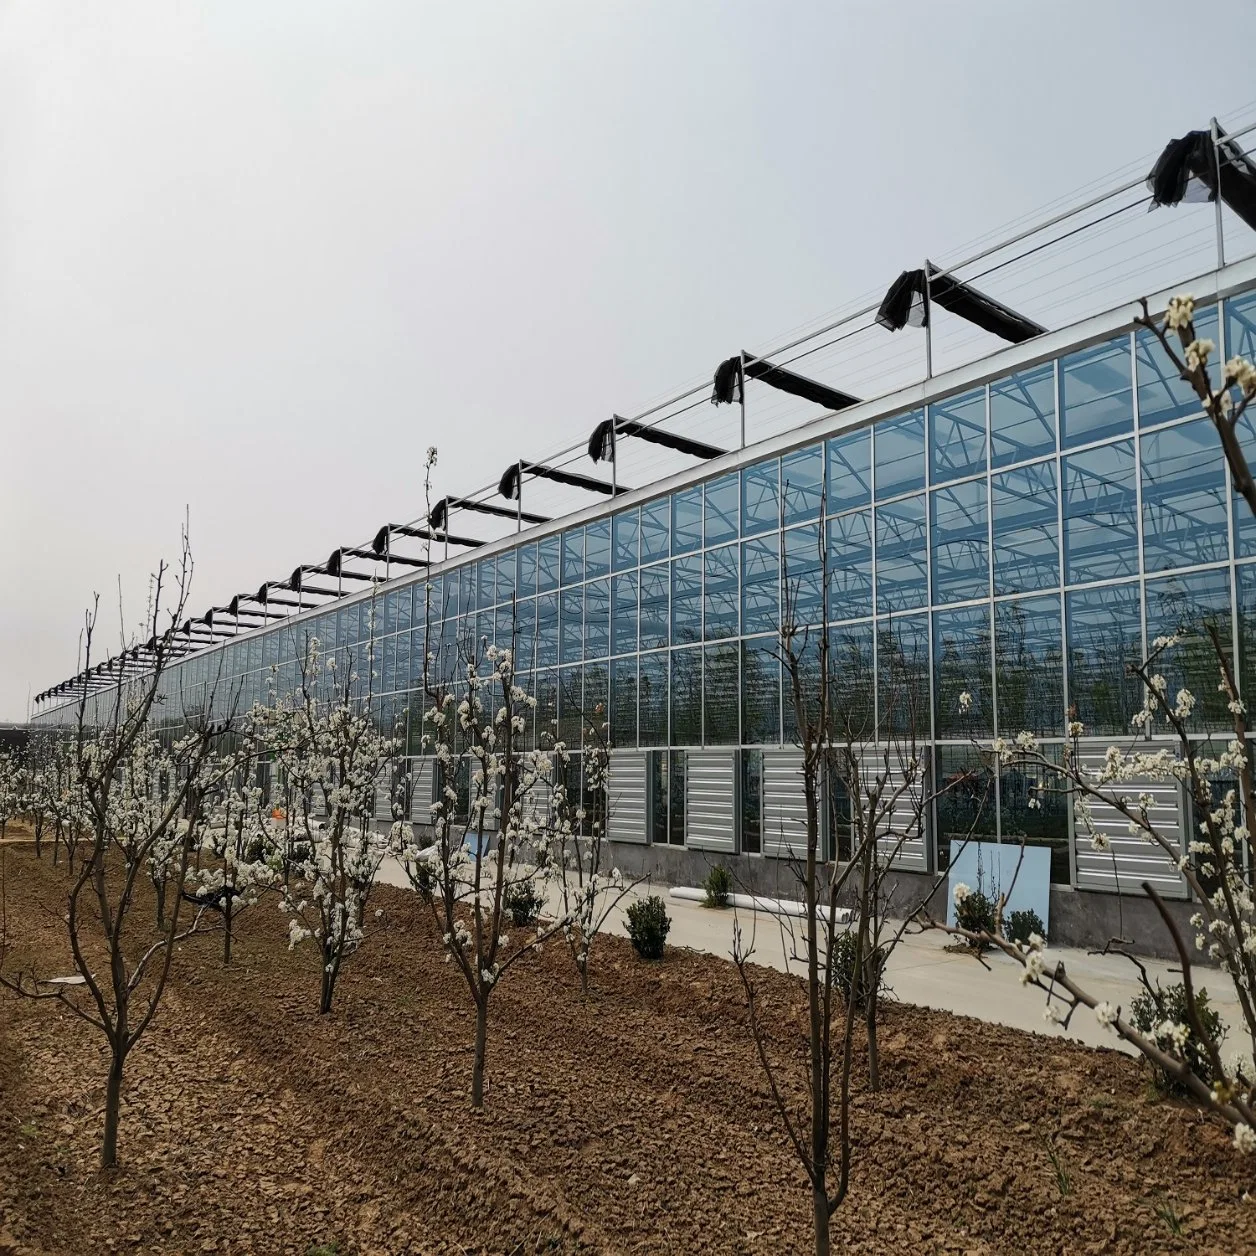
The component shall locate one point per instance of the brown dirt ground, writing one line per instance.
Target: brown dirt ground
(636, 1123)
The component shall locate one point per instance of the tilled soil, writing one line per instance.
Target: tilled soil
(636, 1122)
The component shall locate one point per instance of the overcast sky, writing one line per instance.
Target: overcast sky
(256, 256)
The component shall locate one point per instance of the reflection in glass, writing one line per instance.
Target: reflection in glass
(656, 529)
(961, 543)
(1100, 516)
(1022, 416)
(803, 577)
(1034, 807)
(1104, 639)
(802, 483)
(965, 805)
(655, 615)
(1029, 665)
(653, 703)
(902, 555)
(548, 565)
(850, 566)
(760, 586)
(903, 676)
(723, 509)
(597, 609)
(547, 630)
(573, 556)
(1247, 633)
(760, 693)
(851, 682)
(722, 690)
(721, 593)
(686, 697)
(1189, 607)
(624, 703)
(1162, 392)
(1096, 393)
(957, 437)
(1184, 488)
(624, 613)
(572, 641)
(625, 539)
(900, 454)
(597, 549)
(751, 801)
(850, 472)
(687, 520)
(687, 599)
(961, 647)
(760, 503)
(1026, 529)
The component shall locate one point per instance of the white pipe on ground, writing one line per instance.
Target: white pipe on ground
(755, 902)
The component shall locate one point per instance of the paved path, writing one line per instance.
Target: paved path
(925, 972)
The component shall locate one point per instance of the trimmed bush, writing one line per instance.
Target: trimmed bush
(1155, 1013)
(718, 886)
(648, 926)
(524, 902)
(851, 984)
(974, 912)
(1020, 924)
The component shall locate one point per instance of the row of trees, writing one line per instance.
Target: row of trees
(193, 812)
(300, 801)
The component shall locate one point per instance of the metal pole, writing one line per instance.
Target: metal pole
(1216, 157)
(387, 554)
(741, 388)
(519, 498)
(928, 325)
(614, 458)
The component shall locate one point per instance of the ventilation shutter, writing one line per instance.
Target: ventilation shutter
(784, 804)
(710, 800)
(905, 824)
(628, 797)
(1130, 859)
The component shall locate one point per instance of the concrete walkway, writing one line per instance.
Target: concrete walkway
(924, 970)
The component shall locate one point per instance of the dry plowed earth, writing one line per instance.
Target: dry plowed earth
(636, 1122)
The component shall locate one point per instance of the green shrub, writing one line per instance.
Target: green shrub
(974, 912)
(524, 902)
(857, 985)
(1020, 924)
(718, 886)
(648, 926)
(1151, 1009)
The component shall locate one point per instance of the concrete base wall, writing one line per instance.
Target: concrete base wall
(1085, 919)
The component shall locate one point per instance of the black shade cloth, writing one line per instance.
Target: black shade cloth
(1187, 171)
(728, 383)
(508, 485)
(381, 544)
(440, 512)
(905, 303)
(602, 442)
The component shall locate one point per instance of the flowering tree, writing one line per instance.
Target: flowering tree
(130, 819)
(11, 791)
(577, 848)
(1219, 786)
(486, 840)
(331, 755)
(239, 848)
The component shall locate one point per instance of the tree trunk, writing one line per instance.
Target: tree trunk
(113, 1110)
(159, 889)
(820, 1205)
(328, 988)
(870, 1014)
(481, 1049)
(226, 941)
(56, 844)
(39, 838)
